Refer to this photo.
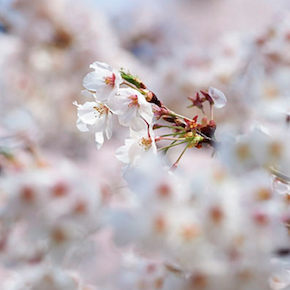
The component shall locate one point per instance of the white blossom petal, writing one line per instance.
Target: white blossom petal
(88, 94)
(218, 97)
(82, 126)
(99, 139)
(93, 82)
(109, 128)
(146, 112)
(122, 152)
(95, 117)
(97, 65)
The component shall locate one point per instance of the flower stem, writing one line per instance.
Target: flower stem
(179, 116)
(171, 134)
(171, 145)
(170, 127)
(280, 175)
(211, 111)
(133, 87)
(169, 138)
(174, 166)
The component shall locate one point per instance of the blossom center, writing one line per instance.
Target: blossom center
(145, 143)
(189, 232)
(199, 280)
(159, 224)
(28, 195)
(110, 80)
(101, 109)
(271, 92)
(58, 236)
(163, 190)
(276, 149)
(134, 101)
(263, 194)
(216, 214)
(243, 152)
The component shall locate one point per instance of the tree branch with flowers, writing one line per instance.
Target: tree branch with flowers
(119, 93)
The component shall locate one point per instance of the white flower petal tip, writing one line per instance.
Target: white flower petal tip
(141, 142)
(218, 97)
(99, 139)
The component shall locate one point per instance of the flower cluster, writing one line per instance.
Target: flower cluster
(108, 99)
(118, 93)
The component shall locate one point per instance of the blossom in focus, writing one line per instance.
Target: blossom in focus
(141, 141)
(104, 81)
(129, 104)
(95, 116)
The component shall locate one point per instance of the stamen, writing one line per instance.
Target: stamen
(110, 80)
(145, 143)
(101, 109)
(134, 102)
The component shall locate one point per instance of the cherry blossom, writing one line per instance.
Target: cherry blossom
(104, 81)
(218, 97)
(129, 104)
(96, 117)
(141, 142)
